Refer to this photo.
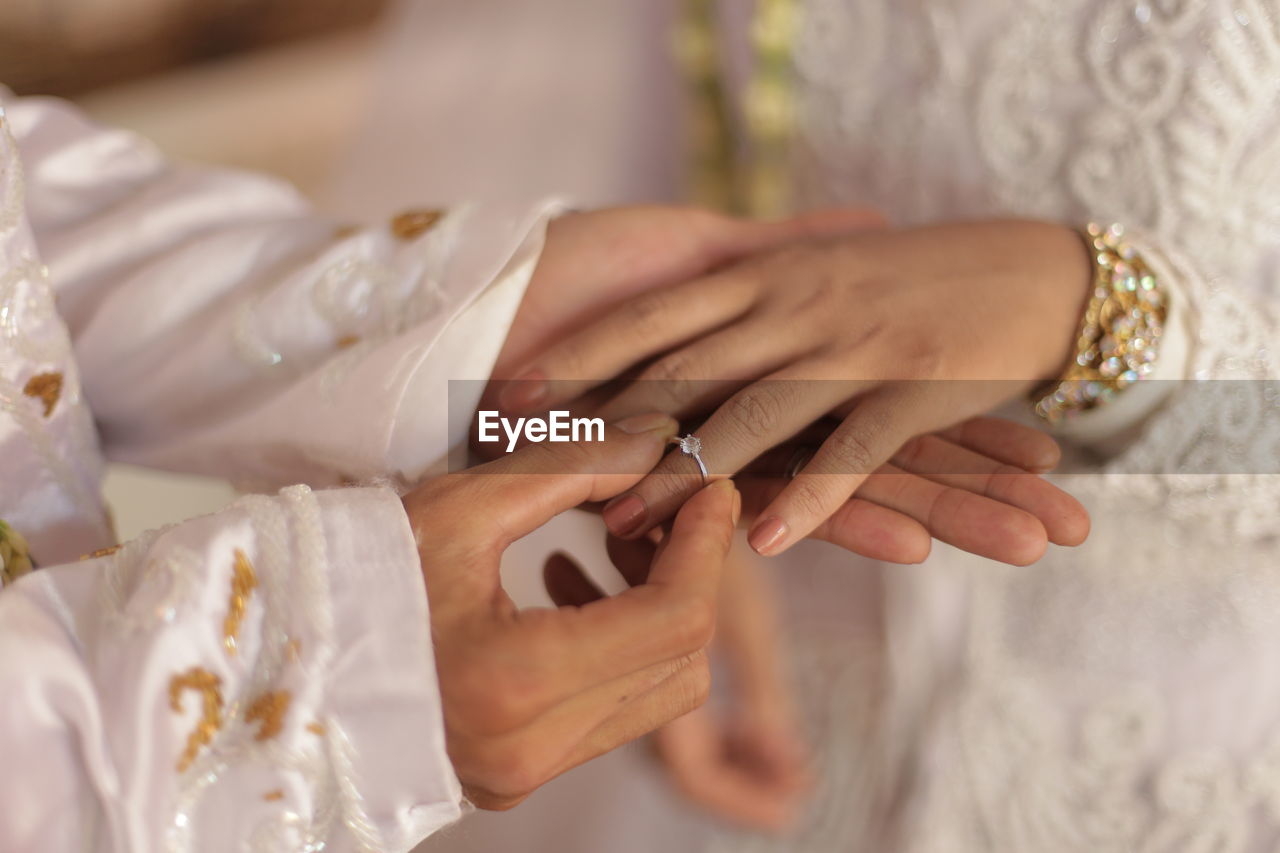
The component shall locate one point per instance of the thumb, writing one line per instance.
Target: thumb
(524, 490)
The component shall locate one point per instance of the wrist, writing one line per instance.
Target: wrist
(1067, 283)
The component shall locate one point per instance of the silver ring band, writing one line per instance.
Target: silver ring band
(690, 445)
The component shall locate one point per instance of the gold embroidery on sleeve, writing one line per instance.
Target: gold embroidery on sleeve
(243, 582)
(342, 232)
(347, 341)
(209, 686)
(46, 387)
(101, 552)
(317, 729)
(414, 223)
(272, 796)
(270, 708)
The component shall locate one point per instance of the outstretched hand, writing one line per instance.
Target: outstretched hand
(887, 331)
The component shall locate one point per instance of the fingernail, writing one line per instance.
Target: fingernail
(768, 535)
(524, 392)
(624, 514)
(646, 423)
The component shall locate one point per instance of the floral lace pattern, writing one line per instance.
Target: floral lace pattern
(1085, 706)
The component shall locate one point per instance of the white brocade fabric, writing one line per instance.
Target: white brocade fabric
(262, 678)
(1124, 695)
(1121, 696)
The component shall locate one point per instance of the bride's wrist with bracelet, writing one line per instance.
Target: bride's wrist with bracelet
(1117, 342)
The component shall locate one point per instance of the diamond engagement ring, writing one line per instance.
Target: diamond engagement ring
(691, 445)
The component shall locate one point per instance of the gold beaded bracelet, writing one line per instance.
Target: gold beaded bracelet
(15, 556)
(1119, 339)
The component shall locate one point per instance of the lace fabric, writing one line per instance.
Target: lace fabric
(1117, 696)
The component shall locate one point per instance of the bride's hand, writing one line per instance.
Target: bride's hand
(742, 756)
(745, 759)
(595, 260)
(871, 316)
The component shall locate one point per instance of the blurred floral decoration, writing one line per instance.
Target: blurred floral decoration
(65, 47)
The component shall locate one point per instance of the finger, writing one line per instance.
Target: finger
(859, 526)
(641, 328)
(959, 517)
(750, 237)
(562, 652)
(524, 490)
(684, 691)
(566, 583)
(874, 429)
(698, 377)
(505, 764)
(1064, 519)
(1009, 442)
(764, 414)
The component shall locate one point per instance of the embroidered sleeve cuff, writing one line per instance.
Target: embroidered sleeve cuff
(382, 692)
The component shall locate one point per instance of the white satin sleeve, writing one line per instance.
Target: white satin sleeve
(258, 679)
(224, 327)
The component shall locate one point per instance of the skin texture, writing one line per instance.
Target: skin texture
(529, 694)
(889, 319)
(612, 284)
(973, 485)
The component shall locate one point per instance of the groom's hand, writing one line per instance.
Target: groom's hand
(529, 694)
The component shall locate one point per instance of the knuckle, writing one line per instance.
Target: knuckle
(500, 775)
(695, 623)
(673, 377)
(755, 413)
(697, 685)
(808, 498)
(852, 450)
(919, 355)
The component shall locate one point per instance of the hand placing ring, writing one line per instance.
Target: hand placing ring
(691, 445)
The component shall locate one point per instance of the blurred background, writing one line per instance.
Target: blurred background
(368, 106)
(270, 85)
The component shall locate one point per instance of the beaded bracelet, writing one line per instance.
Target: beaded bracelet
(1119, 338)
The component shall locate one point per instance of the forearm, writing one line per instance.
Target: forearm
(224, 327)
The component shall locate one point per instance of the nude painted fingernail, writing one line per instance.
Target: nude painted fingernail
(654, 421)
(524, 392)
(624, 514)
(768, 535)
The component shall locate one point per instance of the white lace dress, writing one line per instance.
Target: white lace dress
(1121, 696)
(1124, 695)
